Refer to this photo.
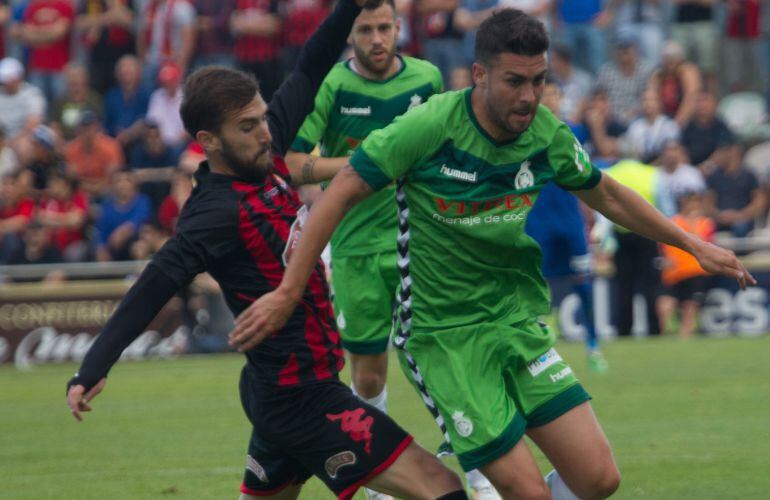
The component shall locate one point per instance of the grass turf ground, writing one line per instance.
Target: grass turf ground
(686, 420)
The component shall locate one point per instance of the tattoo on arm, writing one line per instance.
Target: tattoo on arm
(307, 170)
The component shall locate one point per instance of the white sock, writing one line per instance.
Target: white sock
(559, 490)
(476, 480)
(379, 401)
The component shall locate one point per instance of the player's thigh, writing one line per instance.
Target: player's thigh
(363, 302)
(516, 474)
(339, 438)
(369, 363)
(578, 448)
(416, 474)
(458, 374)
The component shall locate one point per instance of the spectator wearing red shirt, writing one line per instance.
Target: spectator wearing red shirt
(16, 212)
(46, 30)
(181, 188)
(64, 210)
(256, 28)
(743, 64)
(214, 43)
(300, 20)
(167, 30)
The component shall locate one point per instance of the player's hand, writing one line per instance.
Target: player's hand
(717, 260)
(79, 400)
(261, 319)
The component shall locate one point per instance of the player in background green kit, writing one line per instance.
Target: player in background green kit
(470, 165)
(360, 95)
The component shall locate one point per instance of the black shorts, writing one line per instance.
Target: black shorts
(690, 289)
(321, 429)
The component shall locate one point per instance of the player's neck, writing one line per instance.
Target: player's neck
(496, 132)
(360, 69)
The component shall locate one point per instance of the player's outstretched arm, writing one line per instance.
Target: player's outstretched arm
(626, 208)
(137, 309)
(268, 314)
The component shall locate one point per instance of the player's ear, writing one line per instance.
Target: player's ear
(480, 74)
(208, 141)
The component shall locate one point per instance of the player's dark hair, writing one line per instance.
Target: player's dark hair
(512, 31)
(376, 4)
(212, 93)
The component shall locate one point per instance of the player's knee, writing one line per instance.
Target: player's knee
(530, 491)
(368, 383)
(601, 484)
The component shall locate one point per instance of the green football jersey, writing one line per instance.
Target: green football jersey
(463, 201)
(347, 108)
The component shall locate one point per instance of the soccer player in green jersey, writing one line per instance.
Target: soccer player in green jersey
(470, 165)
(360, 95)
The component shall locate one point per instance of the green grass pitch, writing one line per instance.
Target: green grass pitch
(687, 420)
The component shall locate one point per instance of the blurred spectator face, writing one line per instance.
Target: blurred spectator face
(705, 107)
(460, 78)
(77, 80)
(560, 61)
(59, 187)
(672, 156)
(169, 77)
(35, 237)
(10, 190)
(373, 38)
(11, 75)
(626, 54)
(650, 104)
(89, 126)
(152, 139)
(673, 55)
(600, 103)
(128, 72)
(690, 203)
(733, 156)
(43, 143)
(551, 97)
(124, 185)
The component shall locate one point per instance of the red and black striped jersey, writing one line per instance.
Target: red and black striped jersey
(242, 234)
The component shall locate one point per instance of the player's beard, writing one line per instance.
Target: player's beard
(365, 60)
(500, 117)
(255, 169)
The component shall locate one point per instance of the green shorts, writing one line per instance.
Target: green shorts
(364, 295)
(489, 383)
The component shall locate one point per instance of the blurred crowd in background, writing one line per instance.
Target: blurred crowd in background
(670, 95)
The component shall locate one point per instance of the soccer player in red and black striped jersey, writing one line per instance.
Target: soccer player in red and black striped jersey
(240, 225)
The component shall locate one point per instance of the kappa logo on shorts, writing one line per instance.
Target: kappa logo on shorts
(544, 361)
(256, 468)
(335, 462)
(355, 425)
(463, 425)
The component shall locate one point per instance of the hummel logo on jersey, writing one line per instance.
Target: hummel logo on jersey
(555, 377)
(459, 174)
(355, 425)
(542, 363)
(355, 111)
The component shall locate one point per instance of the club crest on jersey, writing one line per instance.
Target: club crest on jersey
(414, 101)
(256, 468)
(294, 231)
(525, 178)
(335, 462)
(463, 425)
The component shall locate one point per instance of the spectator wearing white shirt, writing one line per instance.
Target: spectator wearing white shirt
(676, 177)
(647, 135)
(164, 108)
(22, 107)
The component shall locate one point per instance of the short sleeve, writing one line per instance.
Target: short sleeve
(572, 166)
(312, 129)
(388, 153)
